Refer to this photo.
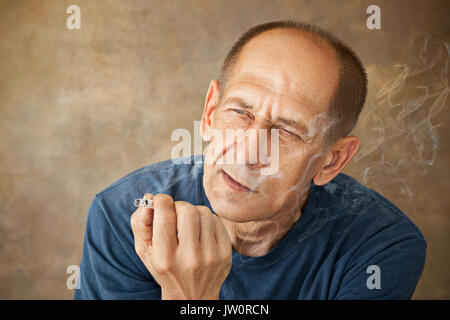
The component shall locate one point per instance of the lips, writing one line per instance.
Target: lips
(233, 184)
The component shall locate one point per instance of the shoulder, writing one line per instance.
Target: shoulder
(369, 230)
(363, 229)
(357, 220)
(348, 198)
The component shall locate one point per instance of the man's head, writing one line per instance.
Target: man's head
(295, 78)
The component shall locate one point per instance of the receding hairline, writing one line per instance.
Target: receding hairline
(351, 91)
(315, 36)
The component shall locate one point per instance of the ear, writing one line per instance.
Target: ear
(211, 102)
(341, 153)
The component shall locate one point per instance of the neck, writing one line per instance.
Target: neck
(257, 238)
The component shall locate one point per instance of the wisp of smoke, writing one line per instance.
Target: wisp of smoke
(401, 124)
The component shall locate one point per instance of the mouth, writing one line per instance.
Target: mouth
(233, 184)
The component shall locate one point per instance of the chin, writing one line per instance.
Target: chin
(237, 209)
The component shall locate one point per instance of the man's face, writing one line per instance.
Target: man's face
(283, 81)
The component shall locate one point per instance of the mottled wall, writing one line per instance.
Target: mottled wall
(81, 108)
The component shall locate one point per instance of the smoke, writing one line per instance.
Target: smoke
(401, 139)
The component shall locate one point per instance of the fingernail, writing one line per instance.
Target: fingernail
(148, 196)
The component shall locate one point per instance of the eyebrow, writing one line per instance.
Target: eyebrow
(300, 125)
(239, 102)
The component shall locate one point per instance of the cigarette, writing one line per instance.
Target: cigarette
(143, 203)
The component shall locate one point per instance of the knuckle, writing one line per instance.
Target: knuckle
(148, 196)
(141, 253)
(162, 199)
(185, 208)
(162, 265)
(193, 264)
(203, 210)
(140, 250)
(210, 259)
(133, 220)
(183, 205)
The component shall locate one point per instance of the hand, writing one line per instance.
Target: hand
(185, 248)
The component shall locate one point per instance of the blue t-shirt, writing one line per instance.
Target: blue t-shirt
(349, 243)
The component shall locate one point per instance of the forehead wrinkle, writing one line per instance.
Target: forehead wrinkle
(263, 84)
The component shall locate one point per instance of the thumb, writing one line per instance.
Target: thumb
(142, 222)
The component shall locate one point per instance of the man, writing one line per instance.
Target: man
(222, 230)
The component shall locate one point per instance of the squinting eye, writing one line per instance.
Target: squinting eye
(291, 133)
(244, 113)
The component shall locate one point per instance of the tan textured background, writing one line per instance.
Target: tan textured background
(81, 108)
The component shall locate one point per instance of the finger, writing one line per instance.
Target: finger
(188, 225)
(221, 233)
(164, 224)
(142, 222)
(207, 228)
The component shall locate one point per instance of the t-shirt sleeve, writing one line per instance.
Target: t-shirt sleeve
(387, 266)
(107, 270)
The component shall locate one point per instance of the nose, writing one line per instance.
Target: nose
(258, 145)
